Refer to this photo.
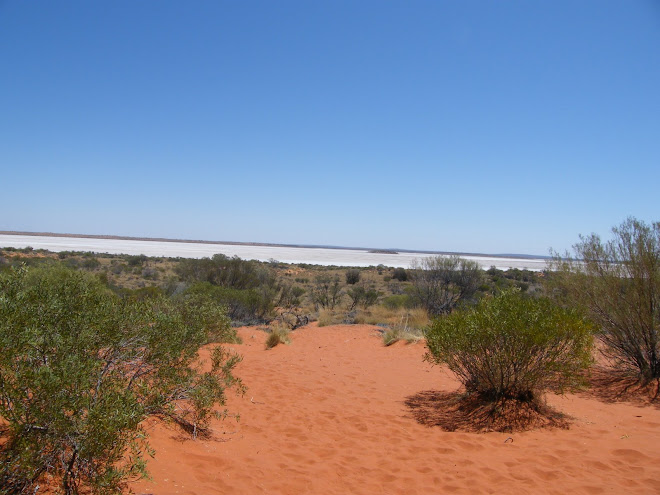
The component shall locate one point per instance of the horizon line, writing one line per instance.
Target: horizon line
(264, 244)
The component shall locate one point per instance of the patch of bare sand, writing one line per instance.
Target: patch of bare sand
(327, 414)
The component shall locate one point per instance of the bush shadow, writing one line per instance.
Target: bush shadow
(610, 386)
(457, 411)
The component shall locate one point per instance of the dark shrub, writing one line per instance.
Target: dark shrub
(326, 292)
(352, 276)
(440, 283)
(361, 296)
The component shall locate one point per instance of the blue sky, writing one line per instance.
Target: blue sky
(473, 126)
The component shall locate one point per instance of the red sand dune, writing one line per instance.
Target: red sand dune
(326, 415)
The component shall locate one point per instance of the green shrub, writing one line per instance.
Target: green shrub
(136, 260)
(227, 272)
(81, 368)
(361, 296)
(398, 302)
(247, 306)
(511, 347)
(91, 263)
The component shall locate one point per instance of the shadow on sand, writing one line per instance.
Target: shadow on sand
(609, 386)
(454, 411)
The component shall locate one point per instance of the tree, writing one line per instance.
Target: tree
(439, 283)
(512, 348)
(618, 283)
(81, 368)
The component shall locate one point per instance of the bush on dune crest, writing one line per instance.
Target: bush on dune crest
(81, 368)
(510, 349)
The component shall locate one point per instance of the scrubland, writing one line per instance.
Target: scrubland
(438, 378)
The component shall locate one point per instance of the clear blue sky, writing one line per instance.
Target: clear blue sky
(475, 126)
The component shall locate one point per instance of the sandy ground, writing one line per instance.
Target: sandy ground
(327, 414)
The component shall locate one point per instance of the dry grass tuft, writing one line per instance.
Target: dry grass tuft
(329, 317)
(403, 324)
(278, 334)
(380, 315)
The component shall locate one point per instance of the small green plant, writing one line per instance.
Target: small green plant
(512, 348)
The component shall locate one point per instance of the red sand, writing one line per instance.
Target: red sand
(326, 415)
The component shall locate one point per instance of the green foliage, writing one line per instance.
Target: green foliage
(248, 289)
(136, 260)
(512, 347)
(352, 276)
(361, 296)
(398, 301)
(290, 296)
(227, 272)
(142, 293)
(247, 306)
(91, 263)
(439, 283)
(618, 283)
(81, 368)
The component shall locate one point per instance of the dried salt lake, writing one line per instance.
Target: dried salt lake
(285, 254)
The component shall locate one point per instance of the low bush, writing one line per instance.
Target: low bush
(512, 348)
(398, 302)
(361, 296)
(248, 306)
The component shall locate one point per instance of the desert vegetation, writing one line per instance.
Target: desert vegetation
(81, 368)
(618, 284)
(91, 344)
(508, 350)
